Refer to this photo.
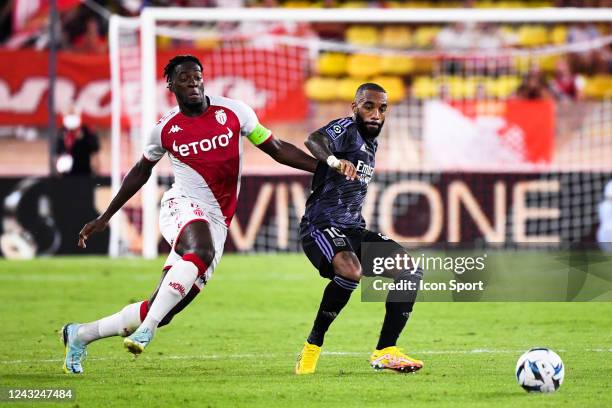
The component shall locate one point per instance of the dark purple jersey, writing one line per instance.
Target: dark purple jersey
(334, 200)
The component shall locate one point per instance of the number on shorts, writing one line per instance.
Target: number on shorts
(334, 232)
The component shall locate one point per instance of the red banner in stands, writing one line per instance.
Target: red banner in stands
(528, 125)
(270, 81)
(485, 135)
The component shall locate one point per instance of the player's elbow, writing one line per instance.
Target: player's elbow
(141, 172)
(310, 142)
(278, 151)
(144, 171)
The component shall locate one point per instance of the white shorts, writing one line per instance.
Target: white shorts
(178, 211)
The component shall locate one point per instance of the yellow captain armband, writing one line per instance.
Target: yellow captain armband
(259, 135)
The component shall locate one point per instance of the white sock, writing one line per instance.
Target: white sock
(122, 323)
(176, 284)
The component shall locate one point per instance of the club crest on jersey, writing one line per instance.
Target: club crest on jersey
(203, 145)
(221, 116)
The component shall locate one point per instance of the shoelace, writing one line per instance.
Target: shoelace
(143, 336)
(79, 355)
(399, 356)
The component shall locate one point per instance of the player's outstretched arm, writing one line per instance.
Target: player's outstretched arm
(320, 147)
(133, 181)
(286, 153)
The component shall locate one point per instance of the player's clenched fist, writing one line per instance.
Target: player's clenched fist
(343, 167)
(96, 225)
(348, 169)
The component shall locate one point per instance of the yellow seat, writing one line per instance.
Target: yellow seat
(396, 4)
(522, 63)
(454, 84)
(396, 64)
(558, 35)
(354, 4)
(491, 86)
(332, 64)
(547, 63)
(485, 4)
(607, 86)
(532, 35)
(206, 43)
(321, 89)
(163, 42)
(598, 86)
(424, 64)
(468, 85)
(424, 36)
(366, 36)
(513, 83)
(396, 91)
(457, 87)
(590, 88)
(424, 87)
(301, 4)
(363, 65)
(395, 37)
(346, 88)
(506, 86)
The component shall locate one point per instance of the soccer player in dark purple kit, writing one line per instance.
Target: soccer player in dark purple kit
(333, 229)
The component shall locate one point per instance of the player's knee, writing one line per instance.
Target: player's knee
(205, 254)
(347, 265)
(352, 273)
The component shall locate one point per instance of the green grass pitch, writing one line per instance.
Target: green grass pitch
(236, 345)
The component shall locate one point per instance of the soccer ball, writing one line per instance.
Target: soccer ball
(540, 370)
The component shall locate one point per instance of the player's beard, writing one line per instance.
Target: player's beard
(364, 130)
(194, 106)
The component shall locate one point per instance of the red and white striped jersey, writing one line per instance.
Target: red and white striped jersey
(206, 152)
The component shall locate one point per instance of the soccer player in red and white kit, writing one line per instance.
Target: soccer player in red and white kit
(203, 139)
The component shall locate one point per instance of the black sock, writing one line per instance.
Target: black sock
(335, 297)
(395, 320)
(398, 307)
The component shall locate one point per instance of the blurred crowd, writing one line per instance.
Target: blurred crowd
(84, 24)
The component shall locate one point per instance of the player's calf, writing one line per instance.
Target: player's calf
(171, 293)
(335, 297)
(398, 307)
(180, 306)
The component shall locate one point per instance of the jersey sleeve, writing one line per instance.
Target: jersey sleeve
(250, 126)
(154, 150)
(336, 131)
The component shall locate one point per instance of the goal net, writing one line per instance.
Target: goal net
(499, 129)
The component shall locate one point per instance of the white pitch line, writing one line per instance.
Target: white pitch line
(288, 355)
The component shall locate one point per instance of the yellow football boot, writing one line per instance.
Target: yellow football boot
(307, 360)
(392, 358)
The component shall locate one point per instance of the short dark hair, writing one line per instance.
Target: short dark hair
(176, 61)
(369, 86)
